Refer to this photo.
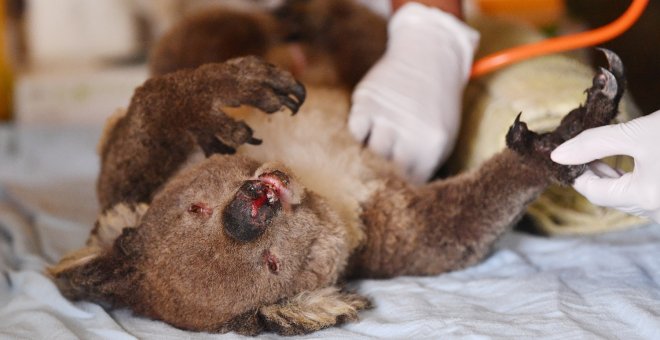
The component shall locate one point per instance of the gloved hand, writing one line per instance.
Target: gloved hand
(409, 103)
(636, 192)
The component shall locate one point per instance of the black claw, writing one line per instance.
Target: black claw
(217, 147)
(608, 83)
(517, 138)
(614, 62)
(615, 66)
(292, 97)
(254, 141)
(299, 92)
(290, 103)
(518, 126)
(517, 120)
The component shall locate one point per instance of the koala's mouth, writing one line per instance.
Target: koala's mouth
(276, 190)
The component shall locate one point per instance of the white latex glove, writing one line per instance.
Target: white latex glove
(636, 192)
(409, 103)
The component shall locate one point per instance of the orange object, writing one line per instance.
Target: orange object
(560, 44)
(6, 89)
(537, 12)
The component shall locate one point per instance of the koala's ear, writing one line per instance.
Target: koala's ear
(312, 310)
(93, 273)
(72, 273)
(73, 260)
(90, 272)
(112, 222)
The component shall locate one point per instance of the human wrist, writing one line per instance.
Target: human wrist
(427, 20)
(453, 7)
(434, 37)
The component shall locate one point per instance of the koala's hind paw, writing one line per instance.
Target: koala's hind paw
(600, 108)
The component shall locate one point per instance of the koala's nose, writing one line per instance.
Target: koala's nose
(251, 211)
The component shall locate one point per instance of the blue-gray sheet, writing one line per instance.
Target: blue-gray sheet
(605, 286)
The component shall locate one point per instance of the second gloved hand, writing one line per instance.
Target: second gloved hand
(409, 104)
(636, 192)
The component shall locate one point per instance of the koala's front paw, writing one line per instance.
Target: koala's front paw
(241, 81)
(260, 84)
(600, 108)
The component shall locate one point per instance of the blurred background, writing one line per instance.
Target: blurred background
(77, 61)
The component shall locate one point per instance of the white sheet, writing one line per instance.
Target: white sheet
(605, 286)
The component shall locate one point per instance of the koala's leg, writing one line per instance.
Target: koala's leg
(215, 35)
(169, 116)
(450, 224)
(349, 33)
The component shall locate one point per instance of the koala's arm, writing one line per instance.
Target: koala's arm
(451, 224)
(170, 116)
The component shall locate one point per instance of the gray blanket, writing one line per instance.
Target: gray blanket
(605, 286)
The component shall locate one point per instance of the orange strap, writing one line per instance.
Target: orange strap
(589, 38)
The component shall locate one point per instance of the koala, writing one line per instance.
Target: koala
(325, 42)
(222, 213)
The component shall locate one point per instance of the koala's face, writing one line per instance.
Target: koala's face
(230, 236)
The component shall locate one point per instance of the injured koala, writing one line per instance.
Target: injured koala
(217, 219)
